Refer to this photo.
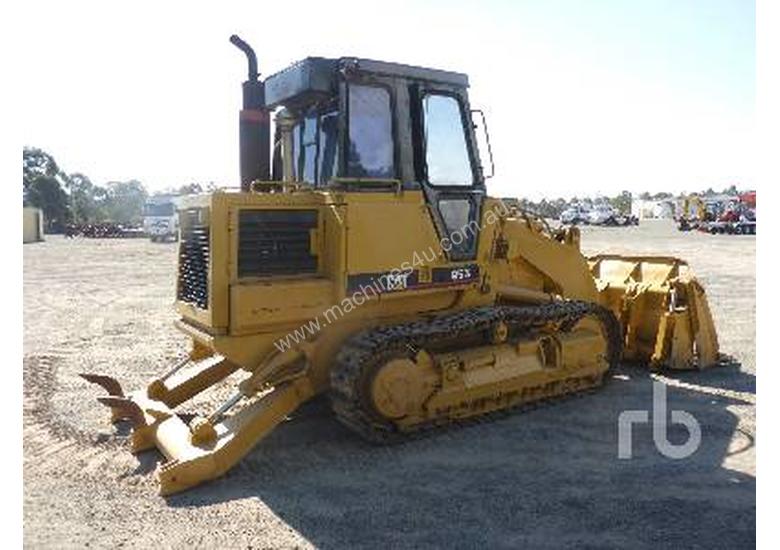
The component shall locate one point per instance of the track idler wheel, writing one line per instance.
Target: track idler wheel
(396, 388)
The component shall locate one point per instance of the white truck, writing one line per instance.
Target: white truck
(575, 214)
(161, 220)
(602, 214)
(605, 214)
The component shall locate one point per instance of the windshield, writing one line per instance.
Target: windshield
(159, 209)
(370, 151)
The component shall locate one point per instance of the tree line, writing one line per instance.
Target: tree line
(72, 198)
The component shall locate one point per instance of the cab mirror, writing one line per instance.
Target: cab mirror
(483, 142)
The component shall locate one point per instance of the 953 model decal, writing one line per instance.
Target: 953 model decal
(455, 274)
(396, 281)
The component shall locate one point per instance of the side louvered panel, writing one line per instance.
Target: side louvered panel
(194, 257)
(276, 242)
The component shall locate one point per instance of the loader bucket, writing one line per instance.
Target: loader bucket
(205, 447)
(662, 308)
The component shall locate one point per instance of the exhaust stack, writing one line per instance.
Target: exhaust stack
(254, 123)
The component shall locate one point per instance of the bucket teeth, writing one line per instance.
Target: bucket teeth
(125, 409)
(106, 382)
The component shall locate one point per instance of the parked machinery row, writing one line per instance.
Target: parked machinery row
(736, 216)
(103, 230)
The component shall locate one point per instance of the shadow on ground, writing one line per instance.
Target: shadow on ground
(547, 478)
(729, 377)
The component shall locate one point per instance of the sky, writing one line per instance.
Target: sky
(582, 98)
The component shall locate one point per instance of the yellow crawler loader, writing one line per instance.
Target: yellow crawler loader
(363, 258)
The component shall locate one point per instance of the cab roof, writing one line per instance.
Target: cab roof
(315, 77)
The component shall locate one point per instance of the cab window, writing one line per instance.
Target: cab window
(315, 147)
(446, 153)
(327, 159)
(370, 152)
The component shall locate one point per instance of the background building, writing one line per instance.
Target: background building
(32, 224)
(658, 209)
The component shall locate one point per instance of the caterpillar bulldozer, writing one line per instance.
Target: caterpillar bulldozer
(363, 258)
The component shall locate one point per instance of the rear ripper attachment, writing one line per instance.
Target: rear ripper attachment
(207, 447)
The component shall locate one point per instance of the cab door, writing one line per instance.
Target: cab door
(448, 165)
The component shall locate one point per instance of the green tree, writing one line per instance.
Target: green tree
(41, 187)
(190, 189)
(662, 195)
(622, 203)
(37, 163)
(47, 194)
(195, 188)
(85, 199)
(124, 201)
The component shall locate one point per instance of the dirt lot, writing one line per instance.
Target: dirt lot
(547, 478)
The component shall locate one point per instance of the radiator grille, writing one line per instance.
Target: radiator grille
(275, 242)
(194, 256)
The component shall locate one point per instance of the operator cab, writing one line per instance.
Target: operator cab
(371, 125)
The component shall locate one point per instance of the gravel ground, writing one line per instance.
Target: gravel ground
(548, 478)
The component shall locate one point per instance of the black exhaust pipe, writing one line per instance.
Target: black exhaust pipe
(254, 123)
